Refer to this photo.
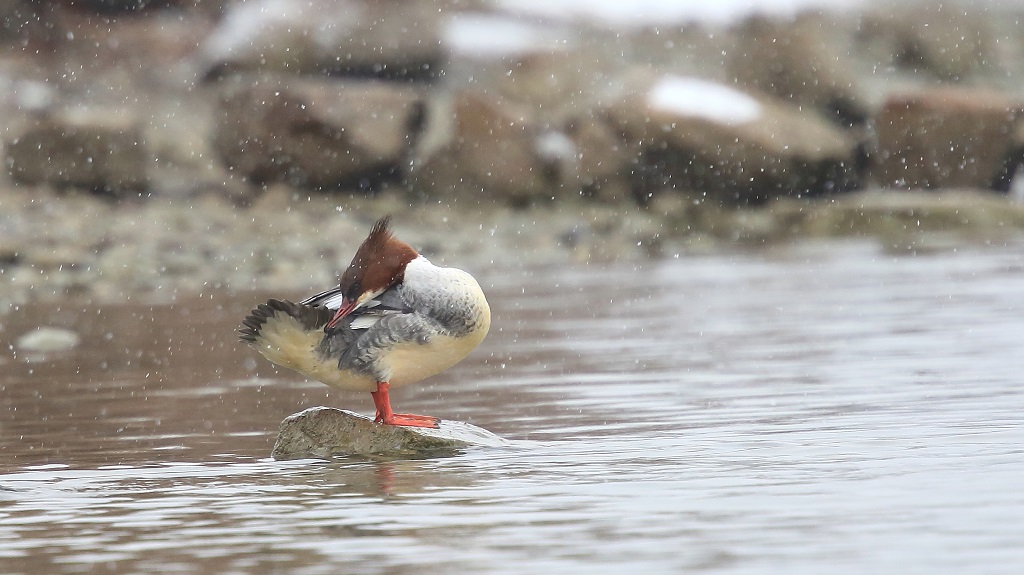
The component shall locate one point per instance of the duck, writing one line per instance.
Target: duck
(393, 320)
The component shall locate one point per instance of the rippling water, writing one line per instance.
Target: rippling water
(806, 410)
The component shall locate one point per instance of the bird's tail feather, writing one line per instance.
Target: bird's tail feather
(285, 332)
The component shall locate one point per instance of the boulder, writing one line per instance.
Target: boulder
(798, 61)
(398, 39)
(544, 66)
(154, 43)
(17, 18)
(326, 432)
(317, 133)
(603, 160)
(948, 41)
(945, 137)
(735, 146)
(84, 147)
(498, 150)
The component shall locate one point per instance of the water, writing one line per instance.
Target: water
(805, 410)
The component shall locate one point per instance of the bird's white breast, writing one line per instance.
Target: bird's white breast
(460, 319)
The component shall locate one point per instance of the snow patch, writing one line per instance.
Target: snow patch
(699, 98)
(249, 21)
(555, 146)
(47, 339)
(253, 27)
(488, 36)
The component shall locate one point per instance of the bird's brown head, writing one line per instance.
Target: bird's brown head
(379, 263)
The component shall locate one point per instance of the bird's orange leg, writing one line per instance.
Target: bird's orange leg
(382, 400)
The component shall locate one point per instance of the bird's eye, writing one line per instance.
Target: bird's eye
(354, 291)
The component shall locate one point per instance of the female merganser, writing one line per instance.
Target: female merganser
(394, 319)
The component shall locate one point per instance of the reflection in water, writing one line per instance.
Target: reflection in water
(802, 410)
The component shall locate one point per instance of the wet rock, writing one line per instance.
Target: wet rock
(90, 148)
(499, 150)
(317, 133)
(325, 432)
(799, 61)
(48, 339)
(945, 137)
(399, 39)
(737, 147)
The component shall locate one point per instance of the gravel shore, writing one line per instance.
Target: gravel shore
(85, 247)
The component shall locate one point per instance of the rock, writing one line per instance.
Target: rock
(84, 147)
(48, 339)
(325, 432)
(399, 39)
(317, 133)
(17, 17)
(602, 159)
(10, 252)
(948, 41)
(499, 151)
(155, 40)
(551, 75)
(945, 137)
(59, 257)
(737, 147)
(115, 6)
(1010, 177)
(884, 215)
(800, 62)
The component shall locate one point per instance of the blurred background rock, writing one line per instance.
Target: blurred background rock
(159, 145)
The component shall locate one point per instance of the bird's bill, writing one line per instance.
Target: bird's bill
(346, 308)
